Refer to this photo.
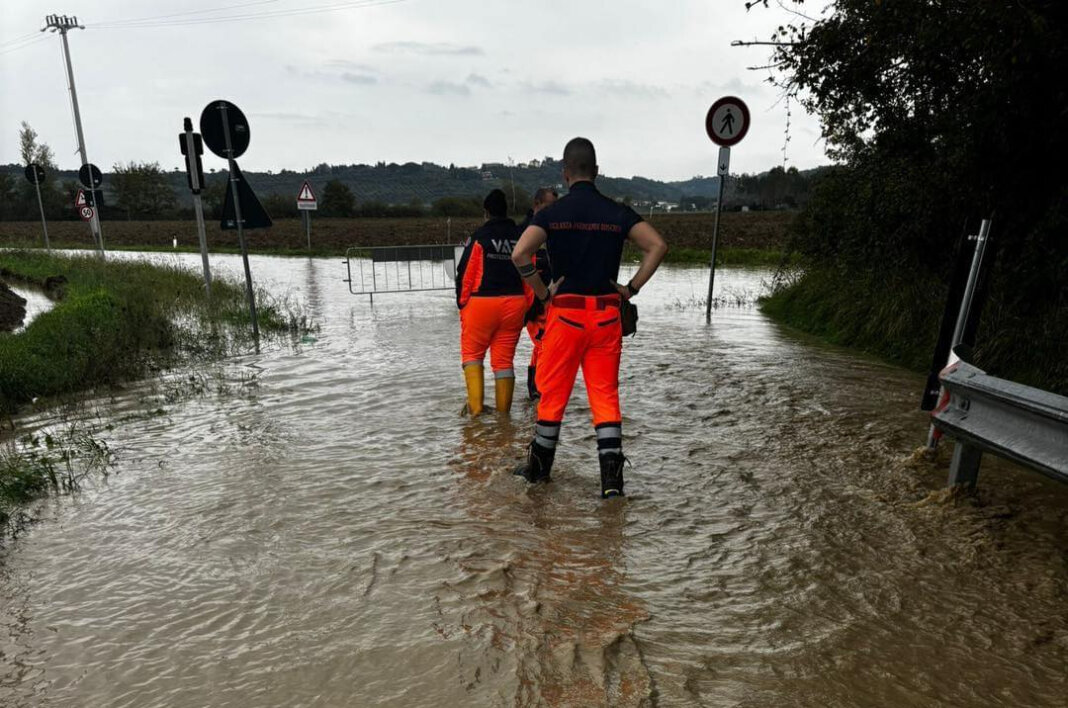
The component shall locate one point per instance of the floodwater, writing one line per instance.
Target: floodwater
(315, 525)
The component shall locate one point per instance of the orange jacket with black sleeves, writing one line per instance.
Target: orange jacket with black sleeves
(486, 268)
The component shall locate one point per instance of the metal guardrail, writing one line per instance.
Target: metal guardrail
(374, 270)
(1026, 425)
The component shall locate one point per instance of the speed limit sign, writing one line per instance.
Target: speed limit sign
(86, 212)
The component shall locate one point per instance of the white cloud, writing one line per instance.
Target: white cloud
(412, 81)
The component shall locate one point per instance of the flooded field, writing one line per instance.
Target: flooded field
(315, 525)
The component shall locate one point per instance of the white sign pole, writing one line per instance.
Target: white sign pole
(198, 206)
(44, 224)
(726, 123)
(724, 167)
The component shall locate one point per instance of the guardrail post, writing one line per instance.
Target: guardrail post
(964, 468)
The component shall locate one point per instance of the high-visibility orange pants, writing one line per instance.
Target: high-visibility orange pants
(493, 323)
(586, 332)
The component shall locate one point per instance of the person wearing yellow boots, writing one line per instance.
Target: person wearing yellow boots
(492, 302)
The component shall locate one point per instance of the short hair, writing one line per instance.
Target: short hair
(580, 158)
(541, 195)
(496, 203)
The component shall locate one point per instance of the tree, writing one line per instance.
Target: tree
(457, 206)
(941, 112)
(31, 151)
(142, 189)
(280, 206)
(25, 206)
(337, 200)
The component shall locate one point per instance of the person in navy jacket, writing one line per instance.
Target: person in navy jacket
(492, 301)
(584, 233)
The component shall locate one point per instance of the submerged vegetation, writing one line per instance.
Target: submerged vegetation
(116, 320)
(113, 321)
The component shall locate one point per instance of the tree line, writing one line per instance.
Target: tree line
(940, 113)
(145, 190)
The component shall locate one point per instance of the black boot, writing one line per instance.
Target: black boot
(532, 386)
(612, 474)
(538, 465)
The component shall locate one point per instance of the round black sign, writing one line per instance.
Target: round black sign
(35, 174)
(220, 118)
(89, 175)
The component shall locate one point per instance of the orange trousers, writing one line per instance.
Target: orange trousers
(493, 323)
(581, 331)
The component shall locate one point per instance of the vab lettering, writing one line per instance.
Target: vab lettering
(503, 245)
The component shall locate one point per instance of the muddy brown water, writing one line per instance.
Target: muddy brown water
(315, 525)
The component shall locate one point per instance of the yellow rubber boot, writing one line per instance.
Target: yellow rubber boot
(475, 384)
(503, 388)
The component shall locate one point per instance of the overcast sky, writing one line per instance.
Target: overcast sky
(459, 81)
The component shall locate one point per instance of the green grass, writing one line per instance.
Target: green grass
(115, 321)
(896, 318)
(740, 257)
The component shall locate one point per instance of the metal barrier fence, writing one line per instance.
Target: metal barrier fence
(1026, 425)
(374, 270)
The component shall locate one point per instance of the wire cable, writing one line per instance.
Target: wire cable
(116, 23)
(24, 45)
(292, 12)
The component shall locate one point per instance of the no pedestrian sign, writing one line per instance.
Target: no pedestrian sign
(727, 121)
(306, 197)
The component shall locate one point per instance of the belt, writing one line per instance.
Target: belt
(585, 302)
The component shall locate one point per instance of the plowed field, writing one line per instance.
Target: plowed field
(751, 230)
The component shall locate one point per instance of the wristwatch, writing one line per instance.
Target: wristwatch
(631, 289)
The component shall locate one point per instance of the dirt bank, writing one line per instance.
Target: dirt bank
(12, 309)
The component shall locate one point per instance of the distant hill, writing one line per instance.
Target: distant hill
(426, 182)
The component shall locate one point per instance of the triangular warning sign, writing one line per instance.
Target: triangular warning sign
(253, 215)
(306, 194)
(79, 201)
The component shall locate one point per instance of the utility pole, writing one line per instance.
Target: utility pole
(511, 178)
(61, 24)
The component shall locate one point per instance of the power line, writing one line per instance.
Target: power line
(15, 47)
(292, 12)
(115, 23)
(16, 40)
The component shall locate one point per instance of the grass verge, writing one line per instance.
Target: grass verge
(897, 318)
(113, 321)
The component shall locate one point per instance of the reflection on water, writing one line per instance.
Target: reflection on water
(319, 527)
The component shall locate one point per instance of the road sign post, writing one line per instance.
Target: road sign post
(193, 147)
(307, 203)
(226, 132)
(726, 123)
(63, 24)
(91, 178)
(36, 174)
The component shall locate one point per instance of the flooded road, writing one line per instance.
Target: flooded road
(316, 526)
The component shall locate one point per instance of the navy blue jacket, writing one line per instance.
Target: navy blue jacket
(486, 268)
(586, 231)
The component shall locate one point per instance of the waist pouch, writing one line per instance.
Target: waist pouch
(628, 317)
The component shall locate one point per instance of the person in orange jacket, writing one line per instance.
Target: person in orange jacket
(535, 318)
(584, 233)
(492, 303)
